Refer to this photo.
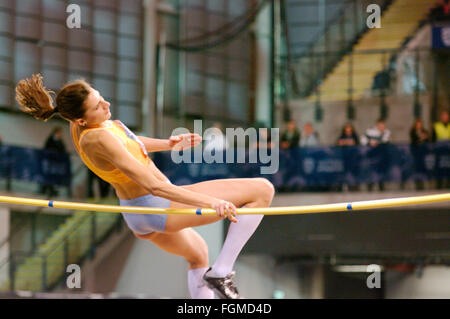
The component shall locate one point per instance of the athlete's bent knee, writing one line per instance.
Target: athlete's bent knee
(267, 190)
(200, 258)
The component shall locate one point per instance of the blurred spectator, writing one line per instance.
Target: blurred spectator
(442, 11)
(215, 139)
(419, 135)
(381, 81)
(441, 132)
(376, 135)
(54, 143)
(1, 141)
(309, 137)
(445, 6)
(441, 129)
(348, 136)
(291, 137)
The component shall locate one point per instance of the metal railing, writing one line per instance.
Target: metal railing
(338, 36)
(392, 72)
(72, 242)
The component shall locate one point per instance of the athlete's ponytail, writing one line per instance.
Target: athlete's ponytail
(37, 101)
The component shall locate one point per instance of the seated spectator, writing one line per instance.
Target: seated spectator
(441, 129)
(441, 11)
(309, 137)
(291, 137)
(376, 135)
(348, 136)
(445, 5)
(441, 132)
(418, 133)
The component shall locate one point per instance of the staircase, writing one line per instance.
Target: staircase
(69, 244)
(366, 59)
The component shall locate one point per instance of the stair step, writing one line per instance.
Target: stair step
(29, 274)
(398, 22)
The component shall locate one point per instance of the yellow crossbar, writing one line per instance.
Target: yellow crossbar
(290, 210)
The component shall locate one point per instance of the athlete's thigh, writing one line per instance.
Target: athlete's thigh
(239, 191)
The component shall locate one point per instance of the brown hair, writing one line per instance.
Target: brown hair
(37, 101)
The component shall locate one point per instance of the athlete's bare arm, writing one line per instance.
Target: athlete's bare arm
(177, 142)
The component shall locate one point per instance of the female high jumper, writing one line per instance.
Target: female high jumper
(116, 155)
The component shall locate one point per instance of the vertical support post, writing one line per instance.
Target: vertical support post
(12, 272)
(66, 252)
(93, 235)
(33, 232)
(44, 273)
(383, 105)
(417, 105)
(350, 110)
(341, 35)
(272, 62)
(155, 124)
(350, 79)
(8, 175)
(355, 20)
(435, 105)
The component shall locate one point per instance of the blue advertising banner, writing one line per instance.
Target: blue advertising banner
(34, 165)
(297, 169)
(326, 166)
(441, 37)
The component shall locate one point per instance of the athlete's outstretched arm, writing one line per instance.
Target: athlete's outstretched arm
(176, 142)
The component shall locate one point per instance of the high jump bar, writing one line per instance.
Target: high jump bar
(289, 210)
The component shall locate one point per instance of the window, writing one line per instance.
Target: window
(106, 51)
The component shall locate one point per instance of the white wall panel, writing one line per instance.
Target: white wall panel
(54, 9)
(54, 32)
(104, 65)
(54, 56)
(28, 27)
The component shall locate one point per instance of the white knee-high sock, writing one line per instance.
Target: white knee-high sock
(238, 235)
(197, 288)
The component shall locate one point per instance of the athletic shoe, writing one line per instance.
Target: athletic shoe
(224, 287)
